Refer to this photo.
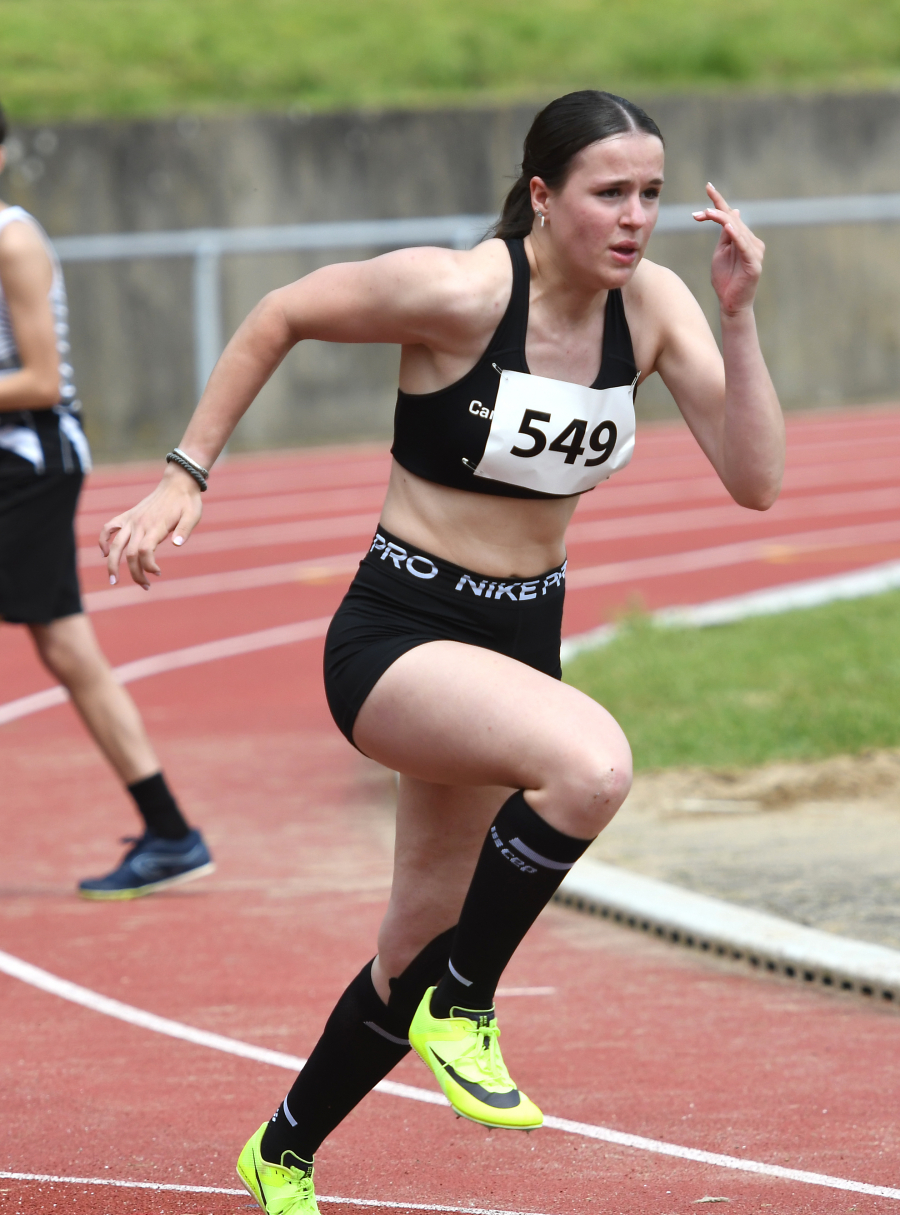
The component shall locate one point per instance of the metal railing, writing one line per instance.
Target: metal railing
(207, 246)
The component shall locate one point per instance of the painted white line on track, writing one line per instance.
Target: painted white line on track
(49, 1179)
(308, 504)
(316, 569)
(789, 597)
(582, 530)
(175, 660)
(505, 992)
(811, 593)
(730, 515)
(18, 969)
(301, 531)
(768, 548)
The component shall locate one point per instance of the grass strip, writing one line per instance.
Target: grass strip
(86, 58)
(803, 685)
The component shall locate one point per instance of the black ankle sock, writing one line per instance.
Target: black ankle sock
(522, 862)
(363, 1040)
(158, 808)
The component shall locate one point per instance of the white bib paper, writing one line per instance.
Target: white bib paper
(555, 437)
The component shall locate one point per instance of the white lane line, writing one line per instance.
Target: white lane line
(715, 1158)
(743, 552)
(316, 569)
(581, 530)
(294, 507)
(505, 992)
(49, 1178)
(771, 601)
(813, 506)
(770, 548)
(301, 531)
(310, 504)
(857, 583)
(175, 660)
(18, 969)
(626, 495)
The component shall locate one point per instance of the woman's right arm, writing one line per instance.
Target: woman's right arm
(409, 297)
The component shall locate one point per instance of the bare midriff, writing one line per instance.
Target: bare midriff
(499, 536)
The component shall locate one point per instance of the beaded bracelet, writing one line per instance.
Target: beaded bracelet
(191, 467)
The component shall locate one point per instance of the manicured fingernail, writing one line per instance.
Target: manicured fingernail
(146, 586)
(179, 540)
(698, 214)
(112, 580)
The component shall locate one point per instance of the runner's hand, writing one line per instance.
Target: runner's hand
(738, 257)
(174, 506)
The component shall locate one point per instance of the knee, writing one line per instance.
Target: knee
(56, 655)
(591, 785)
(66, 655)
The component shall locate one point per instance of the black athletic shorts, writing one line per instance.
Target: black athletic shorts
(402, 597)
(38, 578)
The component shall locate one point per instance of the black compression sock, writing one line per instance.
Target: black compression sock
(363, 1040)
(158, 808)
(522, 862)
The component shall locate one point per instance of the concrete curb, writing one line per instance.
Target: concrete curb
(711, 925)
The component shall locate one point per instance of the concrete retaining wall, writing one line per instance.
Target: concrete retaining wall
(829, 307)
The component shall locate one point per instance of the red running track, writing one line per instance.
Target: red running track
(638, 1037)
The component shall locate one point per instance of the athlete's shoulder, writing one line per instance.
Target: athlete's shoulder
(21, 243)
(462, 289)
(654, 286)
(657, 297)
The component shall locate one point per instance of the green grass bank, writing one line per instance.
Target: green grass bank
(114, 58)
(803, 685)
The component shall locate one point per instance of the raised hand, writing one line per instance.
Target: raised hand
(174, 506)
(738, 257)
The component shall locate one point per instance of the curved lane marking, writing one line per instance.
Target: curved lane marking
(175, 660)
(18, 969)
(314, 570)
(808, 593)
(215, 1189)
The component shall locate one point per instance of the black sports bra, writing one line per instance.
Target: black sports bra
(441, 436)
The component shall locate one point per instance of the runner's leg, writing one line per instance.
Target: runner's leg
(69, 649)
(367, 1033)
(446, 711)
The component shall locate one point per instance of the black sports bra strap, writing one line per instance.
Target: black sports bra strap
(509, 336)
(618, 354)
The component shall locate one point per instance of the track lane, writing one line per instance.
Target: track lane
(642, 1039)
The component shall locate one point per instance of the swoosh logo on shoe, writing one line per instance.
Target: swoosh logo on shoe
(262, 1190)
(497, 1101)
(149, 866)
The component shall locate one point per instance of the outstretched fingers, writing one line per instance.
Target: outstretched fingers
(729, 218)
(136, 534)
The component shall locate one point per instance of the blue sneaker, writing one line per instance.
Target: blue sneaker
(152, 864)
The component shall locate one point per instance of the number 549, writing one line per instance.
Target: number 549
(569, 441)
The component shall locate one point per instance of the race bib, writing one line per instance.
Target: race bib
(555, 437)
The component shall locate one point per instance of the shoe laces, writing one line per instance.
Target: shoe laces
(302, 1197)
(136, 841)
(483, 1057)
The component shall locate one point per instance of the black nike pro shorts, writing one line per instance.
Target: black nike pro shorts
(402, 598)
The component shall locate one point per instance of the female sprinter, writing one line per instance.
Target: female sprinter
(517, 374)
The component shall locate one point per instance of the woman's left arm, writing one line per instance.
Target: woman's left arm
(727, 399)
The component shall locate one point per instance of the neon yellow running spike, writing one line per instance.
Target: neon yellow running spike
(280, 1189)
(464, 1054)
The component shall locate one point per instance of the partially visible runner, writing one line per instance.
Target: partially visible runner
(442, 662)
(44, 457)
